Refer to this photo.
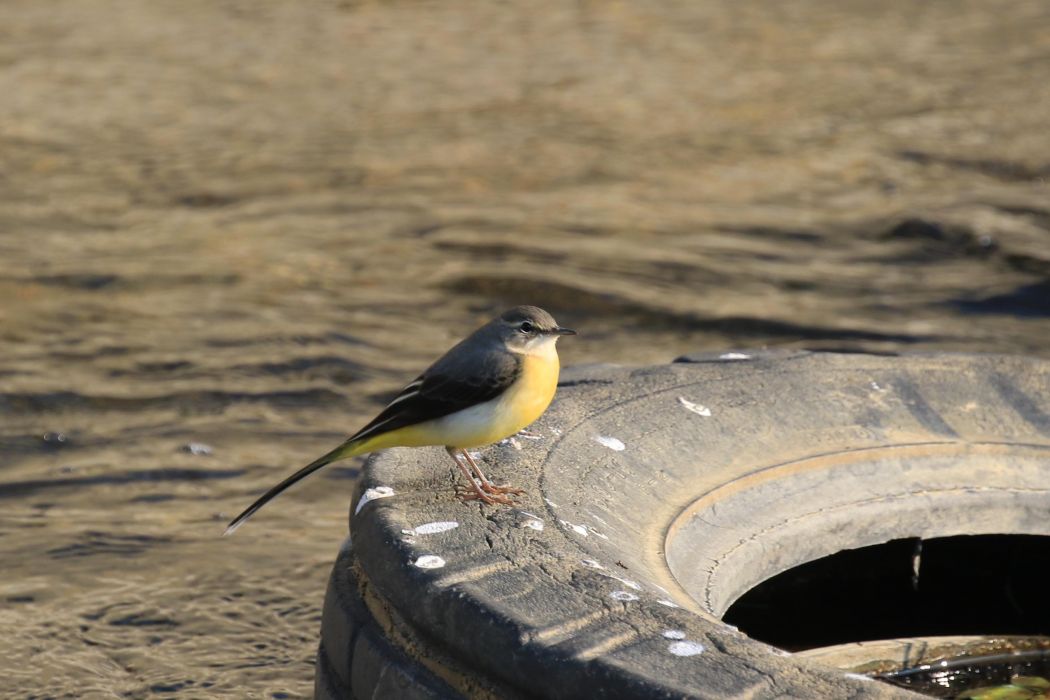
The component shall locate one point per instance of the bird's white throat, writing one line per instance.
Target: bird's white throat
(544, 347)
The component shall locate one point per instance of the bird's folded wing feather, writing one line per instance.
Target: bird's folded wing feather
(450, 385)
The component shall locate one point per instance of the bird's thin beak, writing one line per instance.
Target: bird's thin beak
(564, 331)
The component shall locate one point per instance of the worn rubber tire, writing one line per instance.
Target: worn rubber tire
(664, 493)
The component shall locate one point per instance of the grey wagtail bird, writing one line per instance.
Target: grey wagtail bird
(495, 382)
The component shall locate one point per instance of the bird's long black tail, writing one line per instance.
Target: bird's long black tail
(347, 449)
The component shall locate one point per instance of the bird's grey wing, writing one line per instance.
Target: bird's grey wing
(453, 383)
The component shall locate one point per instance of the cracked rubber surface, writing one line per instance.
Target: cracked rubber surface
(656, 497)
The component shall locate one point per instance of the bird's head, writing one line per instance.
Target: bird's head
(530, 330)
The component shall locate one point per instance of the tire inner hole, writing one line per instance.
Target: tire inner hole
(965, 585)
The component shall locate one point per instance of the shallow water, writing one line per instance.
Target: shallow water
(229, 231)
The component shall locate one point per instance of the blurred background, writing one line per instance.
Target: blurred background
(230, 230)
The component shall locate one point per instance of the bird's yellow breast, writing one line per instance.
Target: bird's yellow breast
(530, 396)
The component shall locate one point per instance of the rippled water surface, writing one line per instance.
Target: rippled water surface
(230, 230)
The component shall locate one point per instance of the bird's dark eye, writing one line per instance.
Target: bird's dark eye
(526, 327)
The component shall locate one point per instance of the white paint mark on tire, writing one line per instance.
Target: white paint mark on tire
(610, 442)
(623, 596)
(696, 408)
(685, 648)
(429, 561)
(373, 494)
(434, 528)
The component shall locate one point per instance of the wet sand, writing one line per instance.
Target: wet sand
(245, 225)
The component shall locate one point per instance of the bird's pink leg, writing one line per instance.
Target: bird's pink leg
(465, 494)
(486, 485)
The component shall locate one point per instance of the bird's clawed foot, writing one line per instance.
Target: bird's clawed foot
(489, 487)
(465, 493)
(480, 489)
